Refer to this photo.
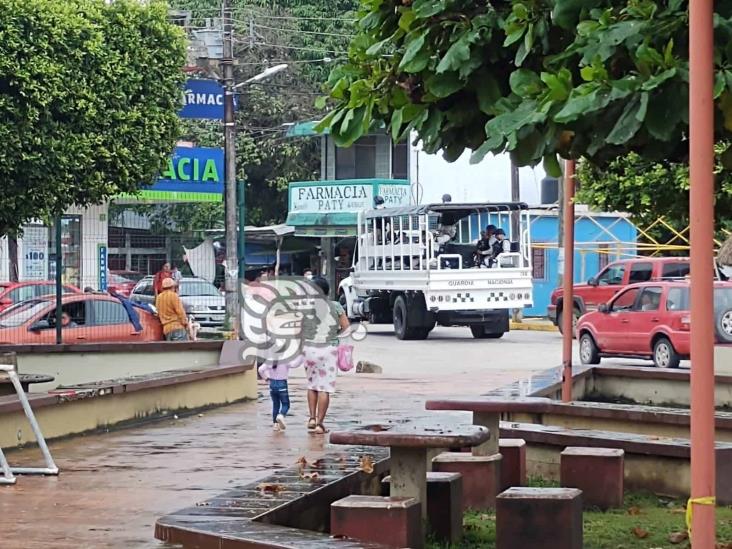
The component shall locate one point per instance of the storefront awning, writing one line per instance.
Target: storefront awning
(330, 208)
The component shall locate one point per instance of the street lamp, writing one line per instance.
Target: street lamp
(266, 73)
(235, 267)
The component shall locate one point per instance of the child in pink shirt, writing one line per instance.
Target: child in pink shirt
(276, 372)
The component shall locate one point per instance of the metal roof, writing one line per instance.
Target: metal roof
(453, 210)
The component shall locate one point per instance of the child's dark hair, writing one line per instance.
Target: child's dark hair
(322, 284)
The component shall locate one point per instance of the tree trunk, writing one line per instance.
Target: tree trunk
(13, 272)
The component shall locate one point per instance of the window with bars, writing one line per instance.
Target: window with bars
(357, 161)
(538, 263)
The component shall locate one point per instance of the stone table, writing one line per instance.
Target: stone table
(409, 445)
(6, 386)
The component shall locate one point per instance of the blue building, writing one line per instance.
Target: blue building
(600, 238)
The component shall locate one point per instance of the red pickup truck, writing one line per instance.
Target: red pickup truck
(613, 278)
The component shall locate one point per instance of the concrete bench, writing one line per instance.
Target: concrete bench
(444, 504)
(657, 464)
(598, 472)
(539, 518)
(391, 521)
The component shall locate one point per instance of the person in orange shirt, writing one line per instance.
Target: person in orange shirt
(171, 313)
(161, 275)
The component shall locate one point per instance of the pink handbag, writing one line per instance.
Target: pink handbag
(345, 357)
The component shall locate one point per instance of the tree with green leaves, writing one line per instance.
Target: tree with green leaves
(650, 189)
(89, 95)
(537, 78)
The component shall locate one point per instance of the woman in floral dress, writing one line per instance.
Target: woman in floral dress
(321, 360)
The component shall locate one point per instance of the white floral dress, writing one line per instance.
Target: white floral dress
(321, 361)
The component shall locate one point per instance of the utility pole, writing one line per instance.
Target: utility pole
(516, 221)
(515, 197)
(230, 200)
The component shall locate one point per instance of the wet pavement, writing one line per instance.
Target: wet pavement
(113, 486)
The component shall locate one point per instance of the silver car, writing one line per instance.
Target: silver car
(201, 300)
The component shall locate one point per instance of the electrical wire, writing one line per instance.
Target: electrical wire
(295, 48)
(325, 60)
(299, 31)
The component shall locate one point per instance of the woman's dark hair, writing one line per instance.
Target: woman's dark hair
(322, 283)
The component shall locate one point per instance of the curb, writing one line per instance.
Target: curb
(533, 327)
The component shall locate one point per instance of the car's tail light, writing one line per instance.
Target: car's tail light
(685, 323)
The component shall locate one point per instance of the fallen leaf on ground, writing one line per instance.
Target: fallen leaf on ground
(310, 476)
(634, 511)
(302, 462)
(678, 537)
(639, 532)
(366, 464)
(270, 488)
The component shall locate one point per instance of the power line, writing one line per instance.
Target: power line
(296, 48)
(299, 31)
(198, 13)
(325, 60)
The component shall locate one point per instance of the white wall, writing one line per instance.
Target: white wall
(94, 231)
(489, 181)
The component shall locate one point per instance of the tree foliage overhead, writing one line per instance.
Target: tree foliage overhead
(538, 78)
(650, 189)
(89, 95)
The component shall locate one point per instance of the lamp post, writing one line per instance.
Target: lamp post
(235, 248)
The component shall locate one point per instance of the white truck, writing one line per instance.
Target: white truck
(416, 267)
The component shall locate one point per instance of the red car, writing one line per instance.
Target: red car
(650, 321)
(613, 278)
(122, 282)
(92, 318)
(12, 293)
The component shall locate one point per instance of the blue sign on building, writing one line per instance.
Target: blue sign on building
(203, 99)
(102, 249)
(193, 170)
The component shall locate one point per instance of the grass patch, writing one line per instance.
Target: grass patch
(644, 522)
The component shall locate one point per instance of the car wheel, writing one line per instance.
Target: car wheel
(560, 321)
(724, 326)
(589, 353)
(664, 354)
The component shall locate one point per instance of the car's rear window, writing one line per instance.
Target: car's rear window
(675, 270)
(679, 299)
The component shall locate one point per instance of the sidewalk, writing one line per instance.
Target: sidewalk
(534, 325)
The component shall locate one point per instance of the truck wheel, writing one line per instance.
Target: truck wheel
(664, 354)
(560, 322)
(401, 318)
(479, 332)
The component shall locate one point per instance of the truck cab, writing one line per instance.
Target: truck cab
(418, 266)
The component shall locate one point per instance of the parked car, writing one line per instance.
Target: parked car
(613, 278)
(201, 300)
(650, 321)
(120, 285)
(94, 318)
(12, 293)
